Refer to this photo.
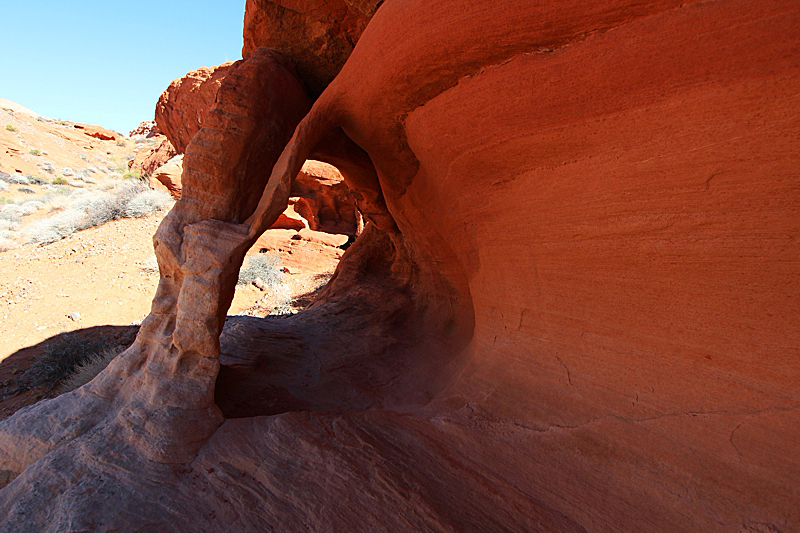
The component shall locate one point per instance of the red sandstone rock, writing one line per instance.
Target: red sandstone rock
(168, 177)
(181, 109)
(573, 309)
(148, 161)
(317, 37)
(324, 199)
(290, 219)
(97, 132)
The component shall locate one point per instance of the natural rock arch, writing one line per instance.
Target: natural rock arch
(573, 309)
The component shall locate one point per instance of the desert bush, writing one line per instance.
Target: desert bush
(29, 208)
(62, 358)
(57, 198)
(265, 273)
(25, 190)
(10, 212)
(14, 179)
(34, 152)
(10, 128)
(59, 181)
(267, 268)
(86, 209)
(33, 180)
(148, 202)
(85, 371)
(8, 225)
(97, 208)
(135, 175)
(56, 227)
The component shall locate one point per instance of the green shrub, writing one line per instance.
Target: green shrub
(10, 128)
(34, 151)
(59, 181)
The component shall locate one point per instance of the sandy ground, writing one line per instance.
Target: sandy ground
(100, 282)
(107, 276)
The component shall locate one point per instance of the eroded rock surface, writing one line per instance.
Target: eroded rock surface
(167, 177)
(148, 161)
(183, 106)
(317, 37)
(573, 307)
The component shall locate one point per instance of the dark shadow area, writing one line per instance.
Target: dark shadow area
(16, 387)
(369, 340)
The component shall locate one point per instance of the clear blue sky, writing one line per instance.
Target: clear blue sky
(106, 62)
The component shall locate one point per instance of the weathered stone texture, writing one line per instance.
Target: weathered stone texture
(573, 307)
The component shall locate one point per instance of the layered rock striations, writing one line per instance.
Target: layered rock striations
(573, 306)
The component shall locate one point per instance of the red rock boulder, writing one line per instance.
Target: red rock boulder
(574, 306)
(323, 198)
(148, 161)
(97, 132)
(182, 107)
(167, 177)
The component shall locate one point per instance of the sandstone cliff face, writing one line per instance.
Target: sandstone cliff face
(181, 109)
(573, 307)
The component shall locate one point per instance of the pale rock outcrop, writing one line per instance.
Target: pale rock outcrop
(573, 307)
(148, 128)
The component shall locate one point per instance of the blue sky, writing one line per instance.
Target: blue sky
(106, 62)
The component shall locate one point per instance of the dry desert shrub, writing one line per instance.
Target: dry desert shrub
(265, 268)
(85, 209)
(265, 273)
(85, 371)
(148, 202)
(8, 225)
(64, 357)
(6, 244)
